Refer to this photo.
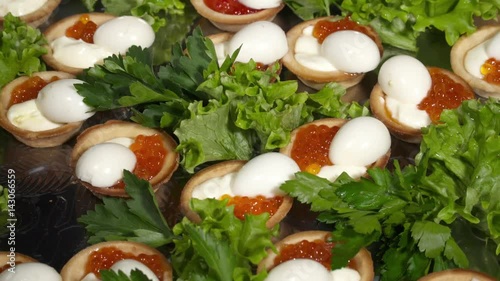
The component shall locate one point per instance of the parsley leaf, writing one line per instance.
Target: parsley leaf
(135, 275)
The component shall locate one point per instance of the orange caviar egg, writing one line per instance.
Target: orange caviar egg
(323, 28)
(105, 257)
(491, 71)
(83, 29)
(229, 7)
(311, 147)
(318, 250)
(253, 205)
(444, 94)
(29, 89)
(150, 153)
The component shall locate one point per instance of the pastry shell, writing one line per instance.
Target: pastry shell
(74, 269)
(218, 170)
(113, 129)
(39, 16)
(457, 57)
(58, 29)
(330, 122)
(457, 275)
(47, 138)
(19, 258)
(397, 129)
(314, 78)
(362, 260)
(233, 23)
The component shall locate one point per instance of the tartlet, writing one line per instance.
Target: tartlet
(58, 29)
(457, 275)
(75, 268)
(19, 258)
(457, 56)
(233, 23)
(363, 262)
(114, 129)
(397, 129)
(39, 16)
(218, 170)
(47, 138)
(314, 78)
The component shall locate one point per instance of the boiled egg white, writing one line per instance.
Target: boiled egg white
(492, 47)
(261, 4)
(360, 142)
(31, 271)
(102, 165)
(263, 41)
(351, 51)
(264, 174)
(121, 33)
(299, 270)
(59, 102)
(127, 265)
(20, 7)
(405, 78)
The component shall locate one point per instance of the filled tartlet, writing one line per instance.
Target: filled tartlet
(117, 256)
(103, 151)
(252, 187)
(16, 266)
(328, 147)
(457, 275)
(43, 110)
(332, 49)
(233, 15)
(476, 58)
(307, 256)
(93, 37)
(33, 12)
(410, 96)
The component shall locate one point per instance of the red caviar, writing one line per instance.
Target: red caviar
(254, 205)
(29, 89)
(311, 147)
(105, 257)
(83, 29)
(323, 28)
(229, 7)
(491, 71)
(318, 250)
(445, 93)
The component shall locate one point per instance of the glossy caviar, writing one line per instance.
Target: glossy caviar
(150, 153)
(311, 147)
(83, 29)
(254, 205)
(229, 7)
(323, 28)
(29, 89)
(491, 71)
(318, 250)
(445, 93)
(104, 258)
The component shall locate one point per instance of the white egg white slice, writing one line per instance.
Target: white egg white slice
(299, 270)
(31, 271)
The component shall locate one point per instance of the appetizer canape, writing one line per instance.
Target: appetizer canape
(328, 147)
(457, 275)
(80, 41)
(103, 151)
(332, 49)
(19, 267)
(252, 187)
(233, 15)
(409, 96)
(43, 110)
(33, 12)
(307, 256)
(117, 255)
(262, 41)
(476, 58)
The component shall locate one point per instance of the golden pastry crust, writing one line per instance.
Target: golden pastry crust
(114, 129)
(457, 275)
(233, 23)
(314, 78)
(58, 29)
(47, 138)
(39, 16)
(362, 260)
(19, 258)
(457, 57)
(74, 269)
(219, 170)
(330, 122)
